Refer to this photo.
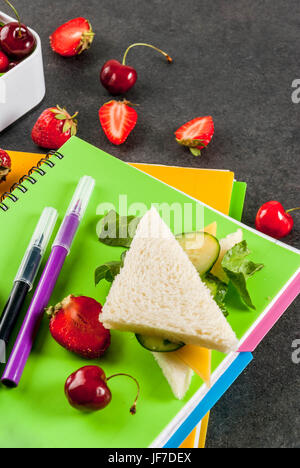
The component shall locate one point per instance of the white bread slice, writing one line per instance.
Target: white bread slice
(178, 374)
(226, 244)
(159, 293)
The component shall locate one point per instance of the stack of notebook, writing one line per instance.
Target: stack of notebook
(34, 419)
(216, 188)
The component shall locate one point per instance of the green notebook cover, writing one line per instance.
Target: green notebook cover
(237, 200)
(37, 414)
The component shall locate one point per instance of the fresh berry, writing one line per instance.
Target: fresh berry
(4, 62)
(87, 390)
(12, 65)
(15, 38)
(196, 134)
(272, 219)
(54, 127)
(119, 78)
(117, 119)
(75, 325)
(5, 165)
(72, 38)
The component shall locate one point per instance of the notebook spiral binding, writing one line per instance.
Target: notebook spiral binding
(36, 169)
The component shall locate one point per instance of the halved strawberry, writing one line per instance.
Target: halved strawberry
(196, 134)
(72, 38)
(75, 325)
(118, 120)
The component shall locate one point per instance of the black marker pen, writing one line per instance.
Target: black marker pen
(27, 273)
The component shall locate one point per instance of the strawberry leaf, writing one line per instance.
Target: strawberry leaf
(73, 130)
(67, 126)
(191, 143)
(195, 151)
(61, 117)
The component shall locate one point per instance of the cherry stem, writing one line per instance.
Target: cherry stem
(133, 407)
(17, 16)
(169, 59)
(293, 209)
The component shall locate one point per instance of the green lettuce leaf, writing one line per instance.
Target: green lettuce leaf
(218, 290)
(238, 269)
(109, 270)
(118, 231)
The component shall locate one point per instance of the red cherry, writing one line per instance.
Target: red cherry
(273, 220)
(87, 390)
(119, 78)
(4, 62)
(15, 38)
(13, 64)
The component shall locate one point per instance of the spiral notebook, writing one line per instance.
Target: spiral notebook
(34, 419)
(214, 187)
(217, 188)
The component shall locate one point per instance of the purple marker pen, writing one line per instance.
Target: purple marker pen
(60, 249)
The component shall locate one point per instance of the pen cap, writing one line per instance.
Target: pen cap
(37, 247)
(81, 197)
(75, 212)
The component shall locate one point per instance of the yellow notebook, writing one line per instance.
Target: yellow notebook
(213, 187)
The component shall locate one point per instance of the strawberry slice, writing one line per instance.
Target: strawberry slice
(75, 325)
(118, 120)
(196, 134)
(72, 38)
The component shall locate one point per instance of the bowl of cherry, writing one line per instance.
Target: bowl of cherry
(22, 82)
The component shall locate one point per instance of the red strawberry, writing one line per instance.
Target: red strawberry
(54, 127)
(75, 325)
(196, 134)
(118, 120)
(5, 165)
(72, 38)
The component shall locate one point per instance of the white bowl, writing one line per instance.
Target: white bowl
(23, 87)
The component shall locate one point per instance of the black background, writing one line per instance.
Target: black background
(234, 60)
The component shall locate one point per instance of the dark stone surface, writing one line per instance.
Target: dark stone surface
(235, 61)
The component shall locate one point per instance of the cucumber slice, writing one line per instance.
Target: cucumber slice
(218, 290)
(157, 345)
(202, 248)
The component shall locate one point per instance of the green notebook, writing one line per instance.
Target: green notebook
(237, 200)
(36, 414)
